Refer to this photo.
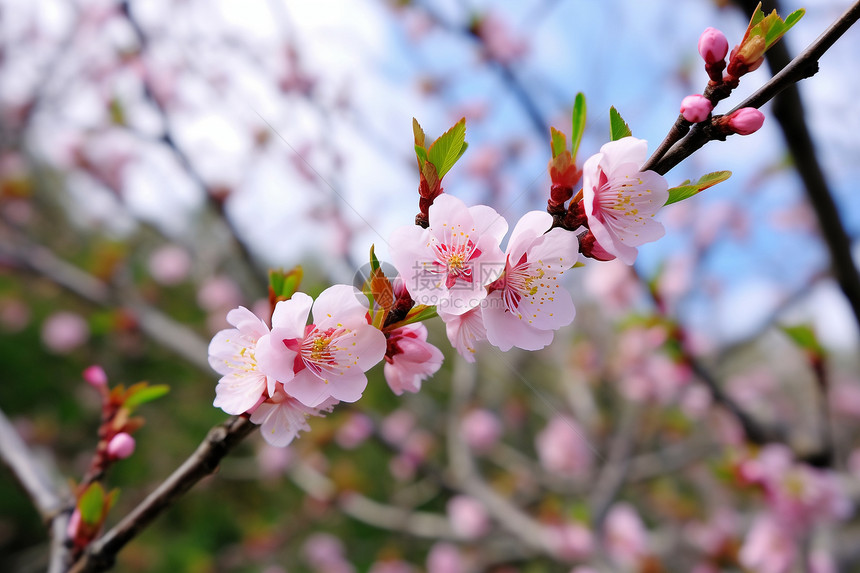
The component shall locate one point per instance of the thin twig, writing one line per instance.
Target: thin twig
(101, 554)
(803, 66)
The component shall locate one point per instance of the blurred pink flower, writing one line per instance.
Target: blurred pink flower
(712, 536)
(768, 548)
(844, 399)
(563, 448)
(273, 461)
(410, 359)
(397, 426)
(571, 540)
(468, 517)
(445, 558)
(120, 446)
(14, 315)
(821, 562)
(626, 538)
(170, 265)
(620, 200)
(391, 566)
(354, 431)
(64, 331)
(219, 293)
(500, 43)
(481, 429)
(613, 286)
(647, 373)
(95, 376)
(326, 553)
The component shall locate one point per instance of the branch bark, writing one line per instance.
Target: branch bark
(101, 554)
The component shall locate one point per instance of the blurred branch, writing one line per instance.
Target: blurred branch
(158, 326)
(101, 554)
(167, 137)
(31, 472)
(613, 473)
(37, 477)
(465, 474)
(416, 523)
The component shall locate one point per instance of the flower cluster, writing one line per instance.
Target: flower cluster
(455, 266)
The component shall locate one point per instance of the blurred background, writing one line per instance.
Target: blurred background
(156, 158)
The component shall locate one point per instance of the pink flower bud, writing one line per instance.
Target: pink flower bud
(95, 376)
(481, 430)
(120, 446)
(746, 120)
(696, 108)
(713, 46)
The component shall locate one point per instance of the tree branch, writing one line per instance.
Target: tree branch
(803, 66)
(101, 554)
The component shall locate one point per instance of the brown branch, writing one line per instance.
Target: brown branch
(101, 554)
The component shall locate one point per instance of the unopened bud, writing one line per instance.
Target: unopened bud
(120, 446)
(560, 193)
(746, 120)
(696, 108)
(95, 376)
(713, 46)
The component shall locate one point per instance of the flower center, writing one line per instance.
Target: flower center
(452, 258)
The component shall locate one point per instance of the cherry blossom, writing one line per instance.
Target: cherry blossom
(620, 200)
(528, 303)
(465, 331)
(410, 359)
(325, 359)
(282, 417)
(448, 264)
(232, 353)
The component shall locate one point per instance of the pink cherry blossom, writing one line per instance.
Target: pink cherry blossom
(696, 108)
(169, 265)
(95, 376)
(481, 429)
(746, 121)
(620, 200)
(445, 558)
(465, 331)
(562, 448)
(63, 332)
(528, 303)
(713, 46)
(120, 446)
(410, 359)
(468, 517)
(768, 548)
(354, 431)
(247, 385)
(233, 354)
(448, 264)
(328, 358)
(571, 540)
(626, 538)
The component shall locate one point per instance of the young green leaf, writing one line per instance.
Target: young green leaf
(445, 151)
(618, 128)
(687, 189)
(418, 313)
(578, 123)
(559, 142)
(284, 284)
(804, 337)
(91, 504)
(419, 133)
(145, 394)
(421, 155)
(374, 262)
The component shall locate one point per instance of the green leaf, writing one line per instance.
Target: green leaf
(419, 133)
(559, 142)
(578, 123)
(804, 336)
(445, 151)
(117, 112)
(780, 27)
(284, 284)
(374, 262)
(145, 394)
(687, 189)
(421, 154)
(418, 313)
(618, 128)
(91, 504)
